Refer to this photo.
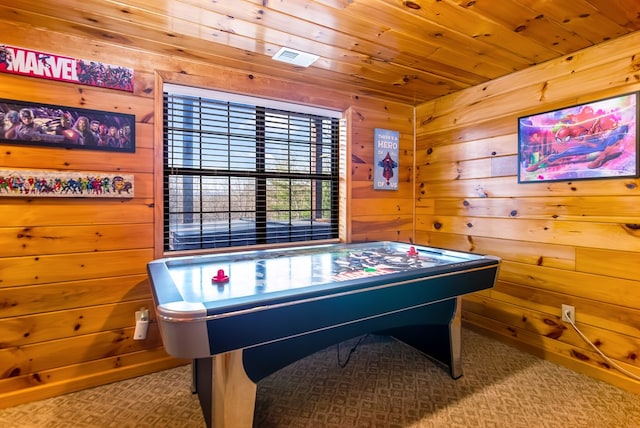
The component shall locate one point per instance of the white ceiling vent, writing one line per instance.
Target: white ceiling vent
(295, 57)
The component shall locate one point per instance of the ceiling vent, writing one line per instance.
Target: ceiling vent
(292, 56)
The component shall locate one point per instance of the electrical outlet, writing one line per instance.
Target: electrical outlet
(142, 324)
(568, 313)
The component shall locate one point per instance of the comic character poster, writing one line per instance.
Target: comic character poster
(587, 141)
(33, 124)
(385, 176)
(65, 184)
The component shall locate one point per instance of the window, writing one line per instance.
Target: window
(240, 171)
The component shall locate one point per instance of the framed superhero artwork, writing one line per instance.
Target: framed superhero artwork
(592, 140)
(75, 184)
(34, 124)
(386, 144)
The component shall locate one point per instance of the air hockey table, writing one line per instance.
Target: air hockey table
(242, 316)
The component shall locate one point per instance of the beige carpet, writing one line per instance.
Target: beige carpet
(385, 384)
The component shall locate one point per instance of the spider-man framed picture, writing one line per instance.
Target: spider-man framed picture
(597, 139)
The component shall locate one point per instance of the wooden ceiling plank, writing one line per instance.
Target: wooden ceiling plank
(227, 57)
(531, 23)
(378, 18)
(346, 62)
(384, 44)
(623, 12)
(486, 33)
(580, 17)
(380, 47)
(384, 74)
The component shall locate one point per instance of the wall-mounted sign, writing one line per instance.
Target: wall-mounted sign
(43, 65)
(65, 184)
(385, 160)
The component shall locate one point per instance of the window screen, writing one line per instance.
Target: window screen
(240, 174)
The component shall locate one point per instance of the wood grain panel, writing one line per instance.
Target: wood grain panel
(448, 17)
(590, 312)
(43, 158)
(30, 212)
(461, 170)
(88, 97)
(388, 49)
(620, 348)
(619, 264)
(20, 271)
(614, 291)
(484, 131)
(63, 380)
(606, 209)
(365, 190)
(425, 207)
(505, 187)
(587, 362)
(380, 224)
(544, 232)
(546, 24)
(487, 116)
(577, 69)
(36, 357)
(60, 296)
(264, 85)
(427, 153)
(45, 240)
(387, 234)
(538, 254)
(179, 49)
(382, 206)
(24, 330)
(585, 234)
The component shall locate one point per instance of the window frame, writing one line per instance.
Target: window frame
(338, 129)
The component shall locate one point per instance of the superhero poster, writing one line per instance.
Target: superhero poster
(26, 62)
(35, 124)
(65, 184)
(586, 141)
(386, 143)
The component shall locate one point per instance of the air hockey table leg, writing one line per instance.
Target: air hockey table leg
(437, 333)
(227, 395)
(455, 335)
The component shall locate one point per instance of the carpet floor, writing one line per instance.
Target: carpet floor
(384, 384)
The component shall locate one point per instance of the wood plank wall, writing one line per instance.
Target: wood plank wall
(573, 243)
(73, 270)
(67, 310)
(380, 214)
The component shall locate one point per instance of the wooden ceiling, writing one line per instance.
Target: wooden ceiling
(407, 51)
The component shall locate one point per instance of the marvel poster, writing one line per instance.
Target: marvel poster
(34, 124)
(26, 62)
